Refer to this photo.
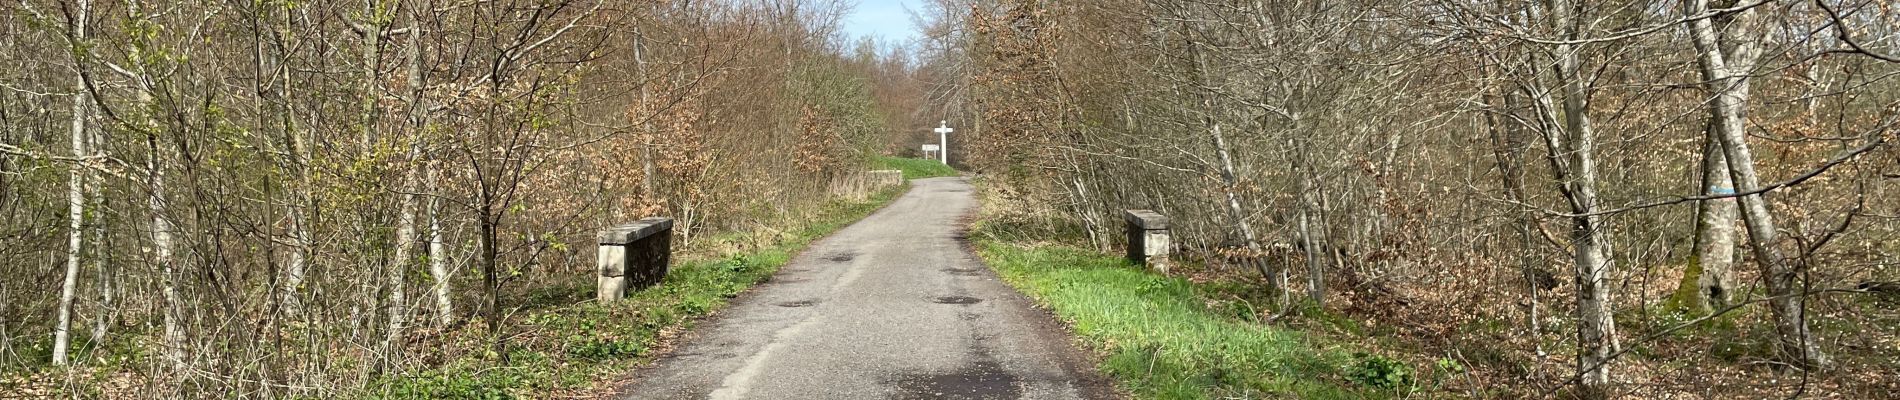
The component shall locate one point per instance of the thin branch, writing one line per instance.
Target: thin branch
(1840, 30)
(1798, 179)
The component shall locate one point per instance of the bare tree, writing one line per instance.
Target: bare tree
(1728, 59)
(76, 193)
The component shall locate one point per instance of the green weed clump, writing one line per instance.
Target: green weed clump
(916, 168)
(1162, 340)
(1379, 372)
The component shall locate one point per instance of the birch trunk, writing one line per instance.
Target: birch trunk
(1081, 205)
(1310, 243)
(75, 200)
(406, 221)
(438, 257)
(398, 300)
(299, 233)
(1725, 70)
(1230, 181)
(294, 267)
(174, 346)
(105, 278)
(646, 126)
(1315, 276)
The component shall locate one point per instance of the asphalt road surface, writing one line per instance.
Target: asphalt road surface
(892, 307)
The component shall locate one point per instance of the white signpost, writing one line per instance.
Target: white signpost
(929, 149)
(943, 136)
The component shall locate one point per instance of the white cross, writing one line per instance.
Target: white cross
(943, 136)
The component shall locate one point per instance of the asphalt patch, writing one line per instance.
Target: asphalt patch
(962, 271)
(956, 300)
(841, 257)
(983, 380)
(799, 303)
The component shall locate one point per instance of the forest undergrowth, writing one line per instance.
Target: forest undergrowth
(563, 342)
(1204, 331)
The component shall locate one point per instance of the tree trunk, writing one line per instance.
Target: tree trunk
(298, 232)
(1310, 230)
(75, 199)
(646, 124)
(491, 275)
(1082, 205)
(294, 267)
(406, 220)
(174, 342)
(398, 268)
(1510, 142)
(438, 256)
(1229, 184)
(1575, 144)
(1710, 277)
(173, 345)
(108, 273)
(108, 298)
(369, 115)
(1315, 277)
(1725, 70)
(1230, 181)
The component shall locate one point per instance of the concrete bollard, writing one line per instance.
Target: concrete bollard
(1147, 239)
(633, 256)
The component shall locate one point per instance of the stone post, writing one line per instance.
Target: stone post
(633, 256)
(1147, 239)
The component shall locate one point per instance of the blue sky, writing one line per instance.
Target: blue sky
(886, 20)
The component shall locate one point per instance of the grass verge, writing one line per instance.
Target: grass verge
(916, 168)
(562, 343)
(1160, 340)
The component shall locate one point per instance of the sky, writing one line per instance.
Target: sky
(886, 20)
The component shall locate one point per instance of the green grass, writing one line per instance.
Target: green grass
(1162, 341)
(564, 343)
(916, 168)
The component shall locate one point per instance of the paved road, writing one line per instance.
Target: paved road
(893, 307)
